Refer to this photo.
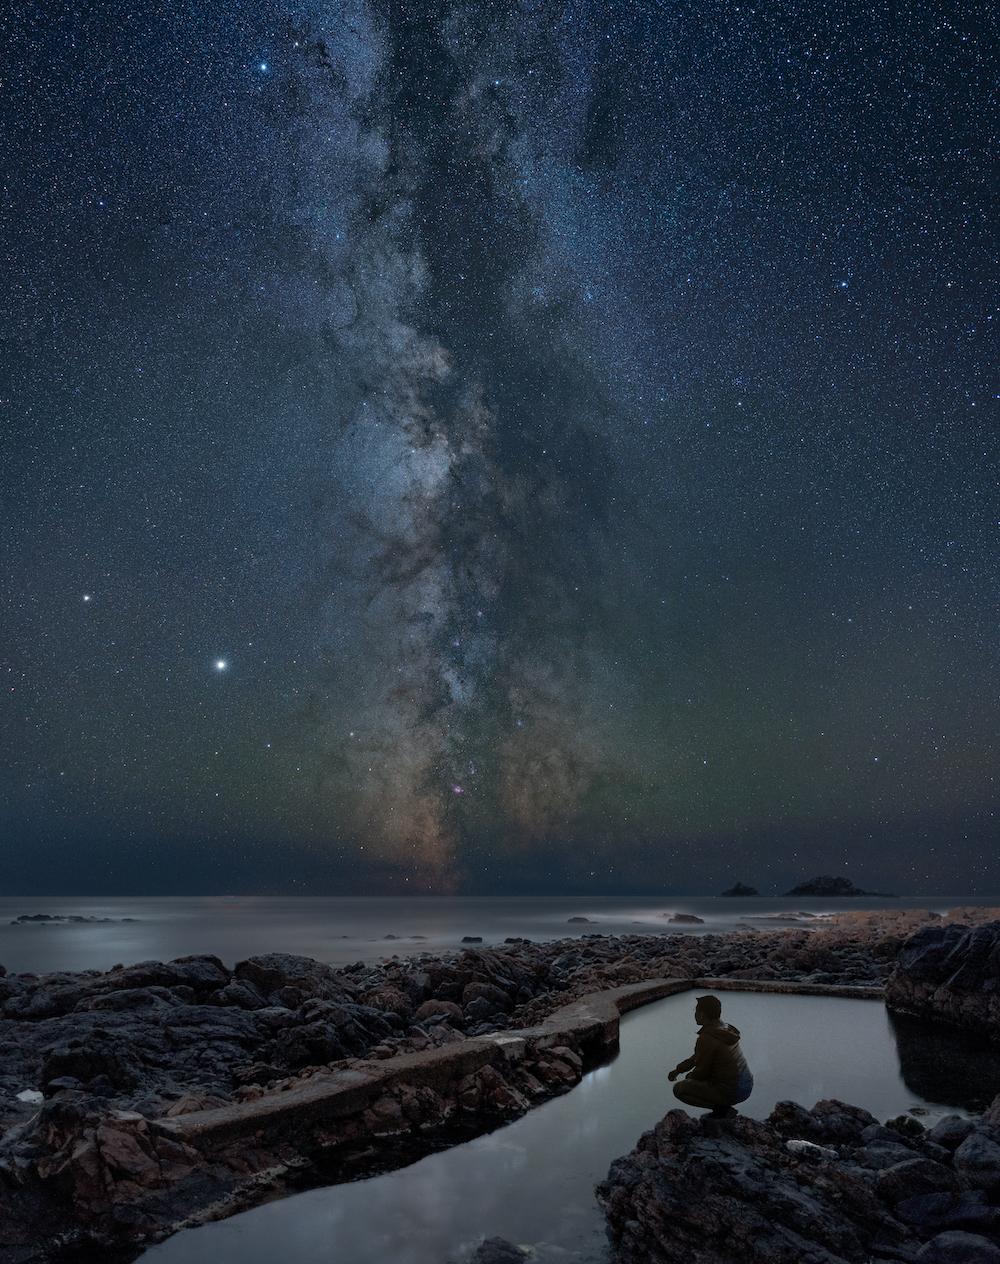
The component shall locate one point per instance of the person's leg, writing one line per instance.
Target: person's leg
(702, 1093)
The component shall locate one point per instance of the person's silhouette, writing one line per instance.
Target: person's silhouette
(718, 1075)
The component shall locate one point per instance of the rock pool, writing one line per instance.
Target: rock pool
(532, 1181)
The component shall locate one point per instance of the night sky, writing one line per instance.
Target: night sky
(499, 447)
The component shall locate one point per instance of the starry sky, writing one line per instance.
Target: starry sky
(499, 447)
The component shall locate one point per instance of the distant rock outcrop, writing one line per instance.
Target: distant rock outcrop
(498, 1251)
(826, 885)
(950, 972)
(66, 919)
(740, 888)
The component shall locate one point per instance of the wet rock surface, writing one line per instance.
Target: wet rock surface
(826, 1185)
(950, 972)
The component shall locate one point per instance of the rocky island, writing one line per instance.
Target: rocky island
(831, 887)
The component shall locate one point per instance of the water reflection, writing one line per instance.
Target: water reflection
(942, 1064)
(532, 1181)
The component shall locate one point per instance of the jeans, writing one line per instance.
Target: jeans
(744, 1086)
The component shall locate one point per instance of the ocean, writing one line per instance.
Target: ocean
(340, 930)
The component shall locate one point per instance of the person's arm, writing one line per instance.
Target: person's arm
(681, 1067)
(704, 1053)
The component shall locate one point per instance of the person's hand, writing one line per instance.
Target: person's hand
(672, 1075)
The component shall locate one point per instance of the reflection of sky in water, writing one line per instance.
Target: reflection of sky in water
(345, 930)
(533, 1180)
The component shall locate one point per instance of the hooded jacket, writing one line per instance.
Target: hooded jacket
(717, 1054)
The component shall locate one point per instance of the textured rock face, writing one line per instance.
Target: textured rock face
(950, 972)
(104, 1177)
(859, 1192)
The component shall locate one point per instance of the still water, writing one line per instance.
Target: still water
(341, 930)
(532, 1181)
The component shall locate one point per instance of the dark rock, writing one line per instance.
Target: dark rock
(585, 920)
(686, 919)
(740, 888)
(950, 972)
(498, 1251)
(496, 997)
(950, 1131)
(829, 1120)
(472, 939)
(310, 1045)
(957, 1247)
(776, 1191)
(682, 1195)
(274, 972)
(443, 1009)
(241, 994)
(914, 1176)
(876, 1134)
(391, 1000)
(931, 1213)
(63, 1083)
(202, 972)
(35, 1004)
(881, 1155)
(906, 1126)
(977, 1161)
(131, 999)
(66, 919)
(87, 1060)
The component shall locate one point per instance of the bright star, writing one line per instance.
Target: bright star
(86, 596)
(221, 664)
(263, 66)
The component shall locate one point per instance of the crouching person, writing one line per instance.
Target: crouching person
(717, 1073)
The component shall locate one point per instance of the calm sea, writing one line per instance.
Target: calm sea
(341, 930)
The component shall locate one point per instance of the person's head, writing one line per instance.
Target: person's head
(707, 1010)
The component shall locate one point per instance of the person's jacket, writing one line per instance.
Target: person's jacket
(717, 1054)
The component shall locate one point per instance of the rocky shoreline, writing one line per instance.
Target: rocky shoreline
(830, 1185)
(98, 1070)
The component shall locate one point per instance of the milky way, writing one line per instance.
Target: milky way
(480, 428)
(573, 427)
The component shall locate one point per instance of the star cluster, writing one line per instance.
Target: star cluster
(492, 446)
